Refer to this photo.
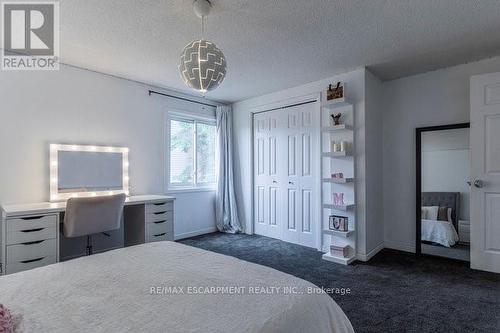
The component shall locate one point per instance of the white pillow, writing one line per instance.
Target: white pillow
(423, 214)
(431, 212)
(449, 215)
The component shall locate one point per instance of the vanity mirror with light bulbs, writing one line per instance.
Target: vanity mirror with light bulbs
(85, 171)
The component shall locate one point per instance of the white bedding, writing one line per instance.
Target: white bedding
(441, 232)
(112, 292)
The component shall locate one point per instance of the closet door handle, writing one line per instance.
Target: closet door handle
(478, 183)
(275, 182)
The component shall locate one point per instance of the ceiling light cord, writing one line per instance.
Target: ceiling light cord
(203, 27)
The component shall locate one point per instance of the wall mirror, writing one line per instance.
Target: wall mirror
(85, 171)
(443, 191)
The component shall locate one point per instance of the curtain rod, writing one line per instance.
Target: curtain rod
(289, 106)
(181, 98)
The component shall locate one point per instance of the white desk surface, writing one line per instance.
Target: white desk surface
(58, 207)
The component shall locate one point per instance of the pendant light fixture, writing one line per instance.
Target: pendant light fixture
(203, 65)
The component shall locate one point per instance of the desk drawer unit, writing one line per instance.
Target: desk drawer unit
(30, 255)
(30, 242)
(31, 222)
(160, 207)
(159, 216)
(29, 264)
(159, 222)
(163, 236)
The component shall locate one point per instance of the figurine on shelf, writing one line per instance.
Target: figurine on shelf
(335, 93)
(338, 199)
(336, 118)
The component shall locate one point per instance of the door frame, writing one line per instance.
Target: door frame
(283, 104)
(418, 184)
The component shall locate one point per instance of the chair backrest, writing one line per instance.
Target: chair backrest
(88, 216)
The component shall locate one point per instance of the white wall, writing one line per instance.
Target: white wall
(446, 165)
(435, 98)
(374, 174)
(242, 122)
(84, 107)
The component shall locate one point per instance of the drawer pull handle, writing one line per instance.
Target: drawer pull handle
(32, 230)
(32, 260)
(159, 213)
(160, 204)
(31, 218)
(159, 235)
(33, 243)
(160, 222)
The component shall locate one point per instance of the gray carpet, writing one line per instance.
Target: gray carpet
(393, 292)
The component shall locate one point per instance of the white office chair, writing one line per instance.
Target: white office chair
(89, 216)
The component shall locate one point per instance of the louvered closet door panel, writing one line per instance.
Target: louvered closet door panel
(267, 193)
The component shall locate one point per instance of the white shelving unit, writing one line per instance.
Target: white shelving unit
(335, 162)
(337, 180)
(337, 154)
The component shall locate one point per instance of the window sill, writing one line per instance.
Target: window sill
(190, 190)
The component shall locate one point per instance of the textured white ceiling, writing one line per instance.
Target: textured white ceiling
(276, 44)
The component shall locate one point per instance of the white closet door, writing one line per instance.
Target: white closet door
(485, 172)
(267, 215)
(301, 155)
(285, 166)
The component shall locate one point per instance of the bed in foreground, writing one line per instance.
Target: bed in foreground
(166, 287)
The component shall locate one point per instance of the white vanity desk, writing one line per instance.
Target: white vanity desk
(30, 232)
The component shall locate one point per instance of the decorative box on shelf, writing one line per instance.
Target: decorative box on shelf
(341, 251)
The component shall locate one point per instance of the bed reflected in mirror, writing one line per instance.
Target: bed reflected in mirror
(443, 218)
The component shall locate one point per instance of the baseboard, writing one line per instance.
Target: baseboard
(369, 255)
(395, 245)
(195, 233)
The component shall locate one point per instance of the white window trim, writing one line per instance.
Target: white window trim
(183, 116)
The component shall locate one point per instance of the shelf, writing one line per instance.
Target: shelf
(338, 260)
(344, 234)
(336, 154)
(337, 128)
(338, 180)
(339, 207)
(336, 103)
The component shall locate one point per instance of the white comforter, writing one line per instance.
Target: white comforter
(126, 290)
(441, 232)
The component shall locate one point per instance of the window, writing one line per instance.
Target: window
(192, 153)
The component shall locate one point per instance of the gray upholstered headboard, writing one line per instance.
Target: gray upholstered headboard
(444, 199)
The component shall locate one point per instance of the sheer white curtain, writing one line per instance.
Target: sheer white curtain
(226, 211)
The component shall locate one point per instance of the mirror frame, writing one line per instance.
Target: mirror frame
(418, 183)
(55, 195)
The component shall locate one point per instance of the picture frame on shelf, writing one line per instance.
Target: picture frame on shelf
(335, 92)
(338, 223)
